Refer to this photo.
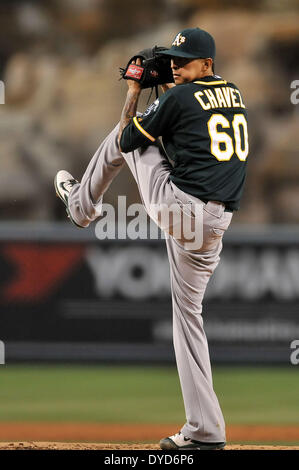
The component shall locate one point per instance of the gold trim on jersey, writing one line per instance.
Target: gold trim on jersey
(216, 82)
(143, 131)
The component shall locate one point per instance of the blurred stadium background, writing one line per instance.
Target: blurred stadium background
(86, 323)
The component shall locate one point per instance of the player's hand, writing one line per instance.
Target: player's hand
(132, 84)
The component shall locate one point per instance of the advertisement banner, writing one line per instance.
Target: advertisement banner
(81, 299)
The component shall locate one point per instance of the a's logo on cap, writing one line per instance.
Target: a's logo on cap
(179, 40)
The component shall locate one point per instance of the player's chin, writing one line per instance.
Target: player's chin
(178, 79)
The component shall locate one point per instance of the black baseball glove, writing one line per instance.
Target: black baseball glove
(154, 69)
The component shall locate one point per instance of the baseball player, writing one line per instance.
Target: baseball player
(202, 121)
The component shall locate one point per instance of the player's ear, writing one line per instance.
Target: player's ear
(208, 63)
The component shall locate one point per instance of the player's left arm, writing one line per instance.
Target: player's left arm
(130, 107)
(161, 117)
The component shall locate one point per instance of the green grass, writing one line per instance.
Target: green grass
(258, 396)
(91, 394)
(142, 394)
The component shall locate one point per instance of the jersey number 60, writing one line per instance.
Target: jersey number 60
(224, 152)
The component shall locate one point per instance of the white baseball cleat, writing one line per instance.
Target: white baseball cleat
(180, 442)
(64, 183)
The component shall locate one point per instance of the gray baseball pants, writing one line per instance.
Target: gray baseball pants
(190, 270)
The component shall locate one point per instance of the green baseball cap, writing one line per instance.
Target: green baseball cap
(192, 43)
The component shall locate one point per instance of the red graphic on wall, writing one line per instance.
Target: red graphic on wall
(38, 269)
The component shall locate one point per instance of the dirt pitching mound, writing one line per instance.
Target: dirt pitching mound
(87, 446)
(134, 433)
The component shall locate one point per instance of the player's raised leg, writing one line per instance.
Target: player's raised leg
(149, 168)
(84, 200)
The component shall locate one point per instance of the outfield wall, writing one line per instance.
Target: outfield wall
(66, 296)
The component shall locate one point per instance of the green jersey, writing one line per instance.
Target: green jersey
(203, 125)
